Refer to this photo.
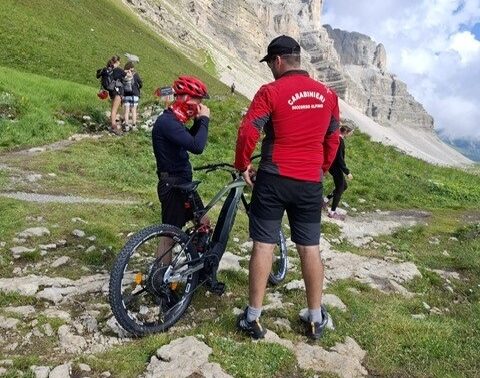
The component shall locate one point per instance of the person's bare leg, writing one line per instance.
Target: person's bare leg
(312, 270)
(115, 105)
(259, 269)
(164, 245)
(126, 113)
(134, 115)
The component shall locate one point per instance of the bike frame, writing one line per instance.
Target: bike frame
(222, 229)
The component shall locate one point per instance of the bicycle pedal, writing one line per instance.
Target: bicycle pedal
(217, 288)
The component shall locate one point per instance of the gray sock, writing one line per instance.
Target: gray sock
(253, 313)
(315, 315)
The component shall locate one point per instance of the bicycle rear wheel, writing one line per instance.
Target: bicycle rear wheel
(140, 300)
(280, 262)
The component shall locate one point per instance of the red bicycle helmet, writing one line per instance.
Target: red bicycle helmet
(102, 95)
(191, 86)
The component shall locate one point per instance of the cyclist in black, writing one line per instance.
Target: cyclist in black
(338, 170)
(172, 141)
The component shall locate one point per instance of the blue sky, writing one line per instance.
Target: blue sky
(432, 45)
(476, 30)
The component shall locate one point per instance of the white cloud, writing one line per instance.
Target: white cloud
(429, 47)
(467, 46)
(417, 61)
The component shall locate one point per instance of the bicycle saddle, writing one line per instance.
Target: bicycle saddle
(188, 187)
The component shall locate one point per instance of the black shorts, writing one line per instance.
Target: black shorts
(117, 91)
(176, 209)
(272, 195)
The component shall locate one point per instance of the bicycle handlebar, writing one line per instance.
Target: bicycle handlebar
(213, 167)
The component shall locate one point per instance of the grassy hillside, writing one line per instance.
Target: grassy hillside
(69, 40)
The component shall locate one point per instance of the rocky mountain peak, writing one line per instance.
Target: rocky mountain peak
(235, 35)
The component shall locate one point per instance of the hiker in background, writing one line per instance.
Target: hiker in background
(132, 83)
(338, 170)
(232, 89)
(111, 78)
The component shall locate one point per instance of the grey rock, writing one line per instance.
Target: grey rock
(274, 301)
(230, 261)
(91, 248)
(380, 274)
(3, 371)
(60, 261)
(78, 220)
(8, 323)
(47, 246)
(55, 313)
(113, 325)
(47, 328)
(78, 233)
(52, 294)
(295, 285)
(344, 359)
(61, 371)
(6, 363)
(69, 342)
(34, 177)
(331, 300)
(84, 367)
(34, 232)
(24, 311)
(19, 251)
(184, 357)
(418, 316)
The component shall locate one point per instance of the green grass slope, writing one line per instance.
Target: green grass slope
(63, 42)
(70, 39)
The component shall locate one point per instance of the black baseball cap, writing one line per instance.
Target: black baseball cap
(280, 46)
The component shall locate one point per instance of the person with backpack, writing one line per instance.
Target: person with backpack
(132, 83)
(111, 77)
(338, 170)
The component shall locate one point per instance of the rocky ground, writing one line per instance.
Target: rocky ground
(57, 309)
(72, 318)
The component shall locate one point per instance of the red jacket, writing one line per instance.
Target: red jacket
(300, 117)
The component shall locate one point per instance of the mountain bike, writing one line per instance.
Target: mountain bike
(151, 288)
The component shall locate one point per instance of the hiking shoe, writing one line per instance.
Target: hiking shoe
(115, 131)
(254, 329)
(335, 215)
(314, 330)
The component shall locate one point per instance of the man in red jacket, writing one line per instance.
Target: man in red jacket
(300, 119)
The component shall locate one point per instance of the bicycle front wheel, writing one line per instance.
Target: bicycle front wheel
(280, 262)
(142, 297)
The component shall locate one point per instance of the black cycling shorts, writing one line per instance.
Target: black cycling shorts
(272, 195)
(176, 209)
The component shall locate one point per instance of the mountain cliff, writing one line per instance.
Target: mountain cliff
(234, 35)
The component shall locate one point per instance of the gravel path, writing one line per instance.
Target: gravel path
(48, 198)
